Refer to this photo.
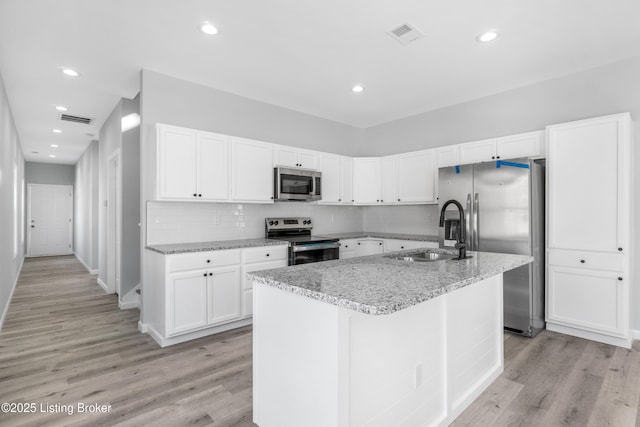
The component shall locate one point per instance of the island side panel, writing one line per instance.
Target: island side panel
(397, 366)
(295, 360)
(475, 341)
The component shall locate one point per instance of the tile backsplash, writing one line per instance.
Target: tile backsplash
(174, 222)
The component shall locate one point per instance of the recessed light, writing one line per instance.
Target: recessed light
(70, 72)
(61, 108)
(56, 131)
(487, 36)
(54, 145)
(52, 155)
(357, 89)
(208, 28)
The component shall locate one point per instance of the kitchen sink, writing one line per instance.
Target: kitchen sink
(423, 256)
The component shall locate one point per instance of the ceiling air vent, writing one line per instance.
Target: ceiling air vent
(75, 119)
(405, 33)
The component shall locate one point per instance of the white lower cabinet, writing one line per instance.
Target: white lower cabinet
(588, 299)
(201, 293)
(393, 245)
(254, 259)
(187, 292)
(223, 294)
(350, 248)
(366, 247)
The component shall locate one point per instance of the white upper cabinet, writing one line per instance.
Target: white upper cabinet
(416, 177)
(251, 171)
(388, 180)
(447, 156)
(588, 182)
(212, 166)
(177, 175)
(331, 168)
(366, 180)
(529, 144)
(408, 178)
(294, 157)
(476, 152)
(192, 165)
(347, 180)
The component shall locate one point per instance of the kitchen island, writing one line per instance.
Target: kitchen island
(376, 340)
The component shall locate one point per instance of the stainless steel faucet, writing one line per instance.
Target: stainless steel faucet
(461, 246)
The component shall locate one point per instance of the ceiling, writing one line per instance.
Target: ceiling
(299, 54)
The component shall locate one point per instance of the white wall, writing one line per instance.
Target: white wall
(605, 90)
(12, 196)
(110, 137)
(85, 207)
(49, 173)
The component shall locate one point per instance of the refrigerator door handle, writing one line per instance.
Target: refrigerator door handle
(476, 222)
(468, 225)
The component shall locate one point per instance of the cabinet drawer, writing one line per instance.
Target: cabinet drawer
(195, 260)
(265, 253)
(584, 259)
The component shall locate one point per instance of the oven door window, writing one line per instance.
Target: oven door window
(295, 184)
(315, 256)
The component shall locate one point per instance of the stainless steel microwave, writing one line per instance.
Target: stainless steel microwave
(293, 184)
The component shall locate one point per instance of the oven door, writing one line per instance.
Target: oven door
(305, 253)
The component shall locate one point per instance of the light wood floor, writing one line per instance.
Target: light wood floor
(64, 341)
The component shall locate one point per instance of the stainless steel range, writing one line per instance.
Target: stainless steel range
(303, 247)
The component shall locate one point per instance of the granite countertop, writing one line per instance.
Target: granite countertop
(375, 234)
(180, 248)
(380, 285)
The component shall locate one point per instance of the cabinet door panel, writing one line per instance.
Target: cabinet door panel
(447, 156)
(388, 187)
(590, 299)
(285, 156)
(583, 186)
(331, 179)
(369, 247)
(416, 177)
(186, 301)
(523, 145)
(177, 164)
(213, 167)
(223, 294)
(308, 159)
(252, 171)
(366, 180)
(475, 152)
(347, 180)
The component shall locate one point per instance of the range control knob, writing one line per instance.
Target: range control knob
(276, 223)
(270, 222)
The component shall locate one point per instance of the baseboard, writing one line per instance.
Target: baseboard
(5, 310)
(130, 300)
(635, 334)
(103, 285)
(85, 264)
(593, 336)
(164, 342)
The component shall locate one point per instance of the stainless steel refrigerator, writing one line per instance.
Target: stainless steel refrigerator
(503, 203)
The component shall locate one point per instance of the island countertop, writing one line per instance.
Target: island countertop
(378, 284)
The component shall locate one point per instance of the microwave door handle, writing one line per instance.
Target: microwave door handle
(313, 186)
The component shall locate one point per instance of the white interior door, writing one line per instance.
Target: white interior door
(50, 219)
